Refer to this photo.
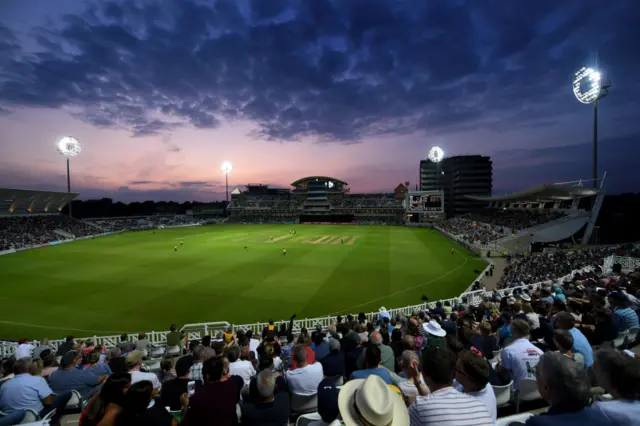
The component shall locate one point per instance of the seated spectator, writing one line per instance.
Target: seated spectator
(472, 373)
(333, 363)
(270, 347)
(327, 405)
(565, 386)
(521, 356)
(172, 390)
(624, 317)
(69, 378)
(489, 341)
(25, 391)
(134, 362)
(619, 375)
(44, 346)
(412, 384)
(266, 363)
(200, 355)
(371, 402)
(92, 363)
(140, 409)
(350, 345)
(372, 357)
(305, 340)
(49, 365)
(444, 405)
(271, 408)
(303, 380)
(142, 344)
(215, 402)
(239, 367)
(387, 361)
(320, 346)
(116, 361)
(174, 338)
(125, 344)
(564, 342)
(565, 321)
(167, 369)
(108, 402)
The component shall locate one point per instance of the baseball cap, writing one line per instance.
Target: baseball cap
(133, 357)
(328, 401)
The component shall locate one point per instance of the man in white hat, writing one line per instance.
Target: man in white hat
(371, 402)
(435, 334)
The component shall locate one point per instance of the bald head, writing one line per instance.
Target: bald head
(376, 338)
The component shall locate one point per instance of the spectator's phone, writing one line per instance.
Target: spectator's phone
(191, 388)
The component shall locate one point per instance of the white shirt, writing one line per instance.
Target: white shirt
(304, 381)
(253, 346)
(24, 350)
(139, 376)
(488, 397)
(521, 357)
(534, 320)
(449, 407)
(243, 369)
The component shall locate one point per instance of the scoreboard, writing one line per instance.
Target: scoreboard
(425, 202)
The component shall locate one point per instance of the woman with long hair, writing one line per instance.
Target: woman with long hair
(110, 399)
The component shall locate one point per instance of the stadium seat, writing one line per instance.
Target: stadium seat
(506, 421)
(503, 394)
(173, 351)
(75, 402)
(30, 417)
(145, 354)
(632, 336)
(305, 419)
(337, 380)
(620, 341)
(156, 353)
(527, 391)
(153, 365)
(303, 403)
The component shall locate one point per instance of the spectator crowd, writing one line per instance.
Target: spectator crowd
(564, 344)
(24, 231)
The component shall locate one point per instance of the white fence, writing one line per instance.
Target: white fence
(629, 264)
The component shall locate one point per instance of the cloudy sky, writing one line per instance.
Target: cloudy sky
(160, 93)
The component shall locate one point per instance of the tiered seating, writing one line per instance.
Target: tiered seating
(25, 231)
(471, 231)
(142, 222)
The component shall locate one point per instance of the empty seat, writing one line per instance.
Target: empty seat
(503, 394)
(305, 419)
(304, 403)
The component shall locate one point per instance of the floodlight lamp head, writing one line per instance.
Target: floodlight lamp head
(69, 146)
(436, 154)
(226, 167)
(587, 85)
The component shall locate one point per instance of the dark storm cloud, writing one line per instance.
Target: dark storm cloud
(334, 71)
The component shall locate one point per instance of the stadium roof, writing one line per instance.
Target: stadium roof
(542, 193)
(18, 201)
(306, 179)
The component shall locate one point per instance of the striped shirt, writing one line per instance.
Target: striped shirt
(449, 407)
(625, 319)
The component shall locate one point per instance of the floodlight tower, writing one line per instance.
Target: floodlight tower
(436, 155)
(589, 88)
(69, 147)
(226, 169)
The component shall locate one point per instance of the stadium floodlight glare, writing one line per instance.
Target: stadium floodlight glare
(69, 147)
(589, 88)
(436, 154)
(587, 85)
(226, 169)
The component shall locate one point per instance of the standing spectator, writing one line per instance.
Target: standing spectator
(444, 405)
(565, 386)
(270, 408)
(44, 346)
(239, 367)
(174, 338)
(624, 317)
(24, 349)
(320, 346)
(619, 375)
(215, 402)
(350, 344)
(200, 355)
(371, 402)
(472, 373)
(387, 357)
(254, 343)
(520, 357)
(372, 357)
(67, 346)
(305, 379)
(134, 362)
(69, 378)
(565, 321)
(564, 342)
(172, 390)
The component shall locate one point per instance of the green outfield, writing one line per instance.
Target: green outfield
(136, 281)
